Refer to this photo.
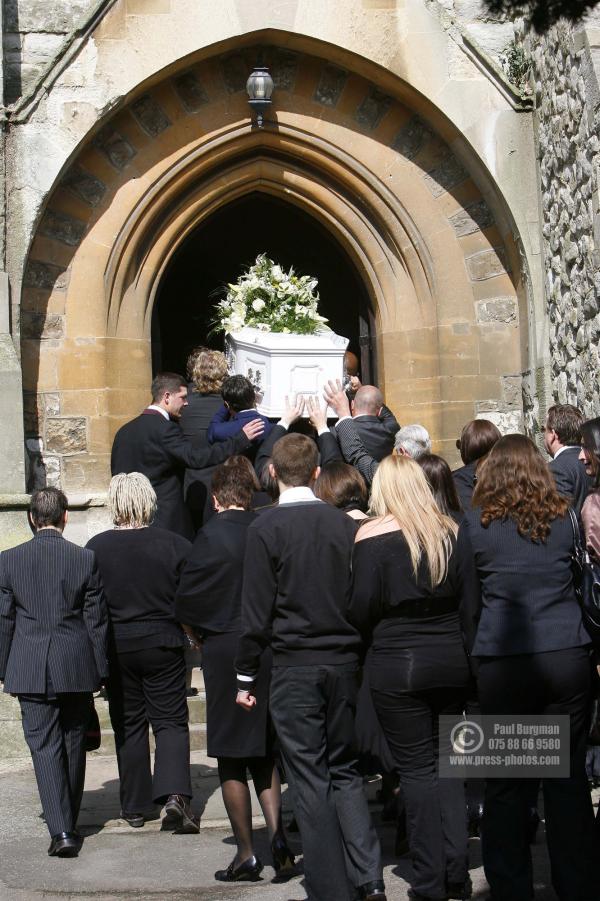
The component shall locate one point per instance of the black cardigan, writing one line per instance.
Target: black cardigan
(140, 570)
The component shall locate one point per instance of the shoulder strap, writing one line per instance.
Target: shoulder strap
(579, 549)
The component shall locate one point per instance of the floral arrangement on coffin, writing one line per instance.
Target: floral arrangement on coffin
(271, 300)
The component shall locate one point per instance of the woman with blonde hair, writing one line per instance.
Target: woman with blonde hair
(405, 601)
(140, 569)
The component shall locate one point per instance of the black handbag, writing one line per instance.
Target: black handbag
(586, 577)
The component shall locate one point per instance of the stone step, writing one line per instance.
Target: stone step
(196, 707)
(107, 746)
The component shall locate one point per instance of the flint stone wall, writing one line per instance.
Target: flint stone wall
(568, 125)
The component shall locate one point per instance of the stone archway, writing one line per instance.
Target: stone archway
(436, 263)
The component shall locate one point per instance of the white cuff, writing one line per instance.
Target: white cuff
(245, 678)
(323, 430)
(341, 419)
(284, 425)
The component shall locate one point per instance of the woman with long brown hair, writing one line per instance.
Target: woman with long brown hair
(525, 631)
(405, 602)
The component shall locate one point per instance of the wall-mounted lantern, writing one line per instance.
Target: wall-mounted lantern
(260, 87)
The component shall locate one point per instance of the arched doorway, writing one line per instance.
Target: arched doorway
(218, 251)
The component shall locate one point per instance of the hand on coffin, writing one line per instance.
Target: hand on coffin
(337, 398)
(293, 409)
(316, 413)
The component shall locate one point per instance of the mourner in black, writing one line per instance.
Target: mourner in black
(154, 445)
(209, 603)
(295, 597)
(375, 423)
(525, 631)
(405, 600)
(562, 437)
(53, 655)
(477, 438)
(140, 569)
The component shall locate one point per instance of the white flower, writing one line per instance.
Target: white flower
(277, 274)
(258, 305)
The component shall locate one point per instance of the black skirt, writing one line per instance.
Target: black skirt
(230, 730)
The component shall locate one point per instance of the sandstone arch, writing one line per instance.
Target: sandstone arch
(440, 266)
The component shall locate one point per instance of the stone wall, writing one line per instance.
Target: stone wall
(567, 123)
(34, 31)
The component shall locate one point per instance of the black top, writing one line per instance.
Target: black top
(209, 596)
(403, 618)
(156, 447)
(570, 476)
(377, 433)
(518, 594)
(297, 588)
(196, 417)
(140, 569)
(53, 619)
(464, 481)
(329, 451)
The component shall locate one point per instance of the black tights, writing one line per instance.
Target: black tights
(236, 796)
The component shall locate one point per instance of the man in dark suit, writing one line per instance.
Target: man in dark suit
(53, 636)
(154, 445)
(562, 438)
(294, 598)
(375, 424)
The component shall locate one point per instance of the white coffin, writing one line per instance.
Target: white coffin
(280, 365)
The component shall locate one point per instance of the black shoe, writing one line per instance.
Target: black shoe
(460, 890)
(248, 871)
(179, 817)
(372, 891)
(65, 844)
(532, 826)
(135, 820)
(283, 859)
(191, 692)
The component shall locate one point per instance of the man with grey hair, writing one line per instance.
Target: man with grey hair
(412, 441)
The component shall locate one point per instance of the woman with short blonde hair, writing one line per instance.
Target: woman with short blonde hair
(207, 370)
(405, 601)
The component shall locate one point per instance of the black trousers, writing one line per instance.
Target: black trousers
(313, 708)
(556, 682)
(54, 730)
(148, 687)
(435, 808)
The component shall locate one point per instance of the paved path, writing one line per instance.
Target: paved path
(118, 863)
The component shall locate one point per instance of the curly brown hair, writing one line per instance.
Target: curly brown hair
(515, 483)
(207, 370)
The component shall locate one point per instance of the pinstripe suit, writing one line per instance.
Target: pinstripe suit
(53, 635)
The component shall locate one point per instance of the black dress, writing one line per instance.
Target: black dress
(194, 422)
(209, 600)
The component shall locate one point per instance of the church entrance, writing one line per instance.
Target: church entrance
(219, 250)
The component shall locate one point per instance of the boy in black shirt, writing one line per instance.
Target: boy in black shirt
(295, 597)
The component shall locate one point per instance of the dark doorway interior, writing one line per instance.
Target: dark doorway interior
(219, 251)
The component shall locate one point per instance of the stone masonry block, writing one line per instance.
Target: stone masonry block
(66, 229)
(235, 73)
(447, 175)
(66, 435)
(41, 325)
(330, 86)
(150, 115)
(190, 91)
(85, 185)
(486, 264)
(472, 218)
(373, 108)
(284, 68)
(411, 138)
(496, 310)
(46, 276)
(115, 147)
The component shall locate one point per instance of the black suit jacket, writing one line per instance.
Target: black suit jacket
(464, 481)
(155, 446)
(571, 478)
(53, 619)
(209, 595)
(329, 451)
(377, 433)
(517, 595)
